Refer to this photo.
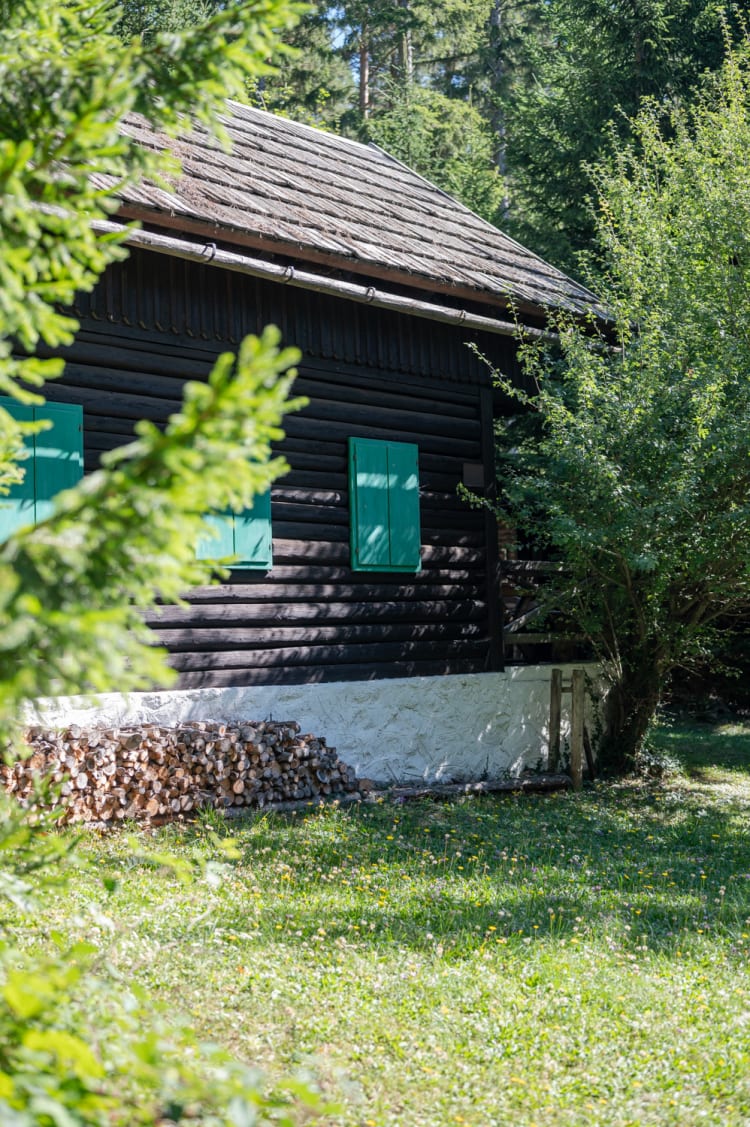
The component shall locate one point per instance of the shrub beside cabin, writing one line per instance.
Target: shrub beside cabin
(366, 601)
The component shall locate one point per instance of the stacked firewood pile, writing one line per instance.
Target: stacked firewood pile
(153, 772)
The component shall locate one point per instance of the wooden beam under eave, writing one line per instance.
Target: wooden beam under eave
(528, 313)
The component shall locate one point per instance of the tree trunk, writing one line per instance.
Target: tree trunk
(497, 75)
(364, 73)
(406, 53)
(631, 705)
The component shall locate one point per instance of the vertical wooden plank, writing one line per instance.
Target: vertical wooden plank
(58, 454)
(256, 322)
(384, 342)
(437, 351)
(403, 505)
(555, 711)
(496, 656)
(124, 295)
(392, 336)
(286, 315)
(141, 290)
(373, 337)
(368, 481)
(192, 300)
(301, 325)
(357, 315)
(404, 351)
(200, 304)
(240, 305)
(230, 314)
(172, 298)
(415, 353)
(252, 534)
(577, 707)
(109, 285)
(17, 507)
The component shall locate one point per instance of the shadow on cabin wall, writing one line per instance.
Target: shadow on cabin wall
(532, 637)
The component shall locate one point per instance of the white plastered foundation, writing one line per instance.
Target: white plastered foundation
(418, 729)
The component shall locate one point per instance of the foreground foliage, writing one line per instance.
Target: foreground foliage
(122, 539)
(634, 470)
(80, 1044)
(125, 536)
(551, 960)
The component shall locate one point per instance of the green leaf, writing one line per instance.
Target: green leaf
(70, 1051)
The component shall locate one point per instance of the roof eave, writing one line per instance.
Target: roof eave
(527, 312)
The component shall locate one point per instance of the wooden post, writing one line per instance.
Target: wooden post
(577, 706)
(590, 761)
(555, 709)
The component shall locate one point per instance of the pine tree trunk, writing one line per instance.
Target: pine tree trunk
(364, 74)
(406, 53)
(497, 117)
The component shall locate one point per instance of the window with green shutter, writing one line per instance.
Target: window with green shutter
(384, 505)
(54, 463)
(246, 535)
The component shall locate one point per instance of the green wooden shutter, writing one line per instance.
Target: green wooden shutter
(246, 535)
(55, 463)
(403, 505)
(58, 454)
(252, 534)
(221, 542)
(368, 497)
(384, 505)
(17, 508)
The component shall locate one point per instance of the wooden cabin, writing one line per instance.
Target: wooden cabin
(369, 612)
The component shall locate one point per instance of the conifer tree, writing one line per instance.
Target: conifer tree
(70, 586)
(590, 63)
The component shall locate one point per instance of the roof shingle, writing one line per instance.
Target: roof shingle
(297, 186)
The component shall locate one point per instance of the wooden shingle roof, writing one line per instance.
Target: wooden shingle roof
(294, 190)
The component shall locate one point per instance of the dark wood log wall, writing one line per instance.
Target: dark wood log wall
(153, 322)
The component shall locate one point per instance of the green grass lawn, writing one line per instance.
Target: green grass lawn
(563, 959)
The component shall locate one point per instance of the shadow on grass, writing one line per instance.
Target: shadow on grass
(625, 863)
(706, 751)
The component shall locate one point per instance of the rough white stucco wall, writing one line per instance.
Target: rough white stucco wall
(417, 729)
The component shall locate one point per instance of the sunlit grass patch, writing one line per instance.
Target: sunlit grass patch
(549, 960)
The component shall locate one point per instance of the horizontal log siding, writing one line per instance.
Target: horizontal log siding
(202, 306)
(310, 618)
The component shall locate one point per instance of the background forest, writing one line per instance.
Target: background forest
(503, 103)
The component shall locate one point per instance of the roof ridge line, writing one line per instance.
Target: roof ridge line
(315, 130)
